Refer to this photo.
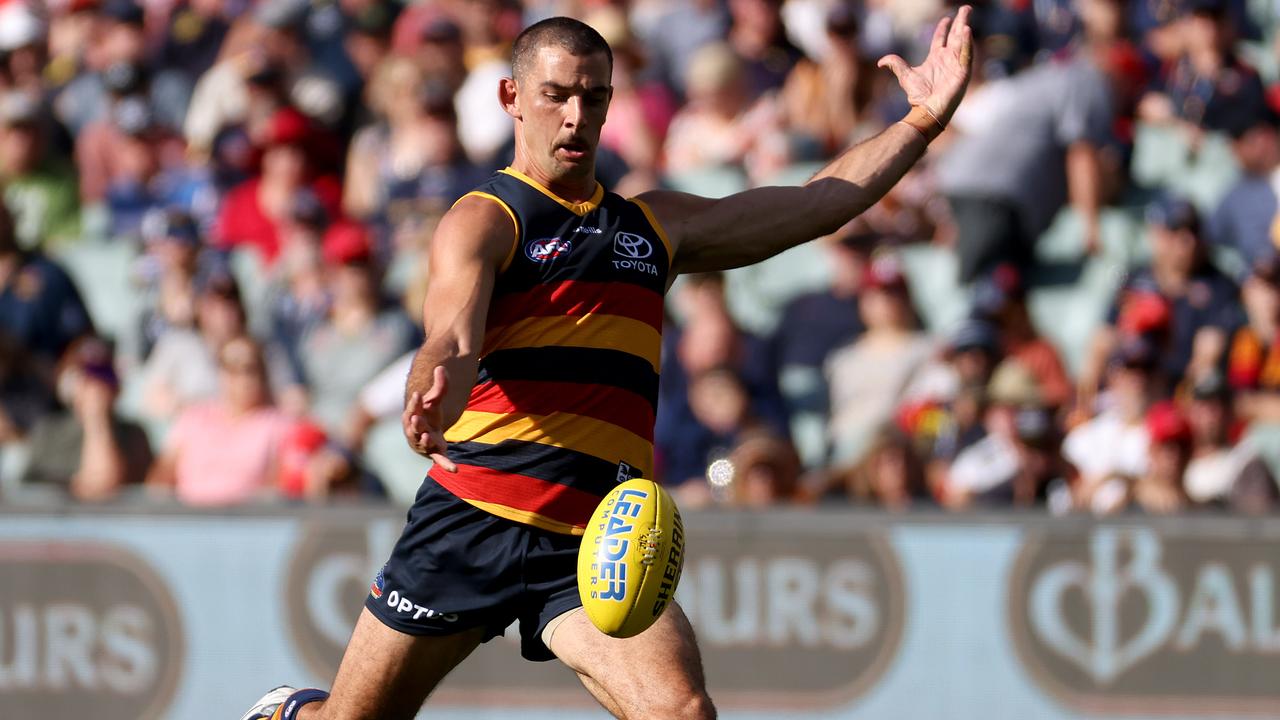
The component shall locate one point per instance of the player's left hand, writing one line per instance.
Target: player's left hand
(423, 421)
(939, 82)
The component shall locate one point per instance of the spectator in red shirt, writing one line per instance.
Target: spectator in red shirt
(256, 212)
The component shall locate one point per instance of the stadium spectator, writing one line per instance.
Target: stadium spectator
(1018, 150)
(85, 448)
(722, 127)
(641, 109)
(256, 212)
(766, 471)
(182, 368)
(701, 23)
(1208, 87)
(368, 41)
(957, 387)
(1001, 298)
(826, 101)
(25, 392)
(226, 450)
(39, 186)
(113, 33)
(1225, 471)
(361, 335)
(1253, 361)
(891, 476)
(485, 41)
(1159, 490)
(409, 167)
(1203, 306)
(758, 37)
(710, 346)
(165, 278)
(1110, 450)
(1245, 219)
(40, 307)
(1012, 465)
(867, 376)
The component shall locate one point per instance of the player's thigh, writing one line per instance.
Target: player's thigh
(656, 674)
(386, 674)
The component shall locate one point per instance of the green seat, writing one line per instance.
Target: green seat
(387, 454)
(713, 182)
(102, 272)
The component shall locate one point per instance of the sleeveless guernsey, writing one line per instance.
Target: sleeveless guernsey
(563, 405)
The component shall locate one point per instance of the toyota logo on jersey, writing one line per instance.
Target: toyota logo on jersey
(630, 245)
(546, 249)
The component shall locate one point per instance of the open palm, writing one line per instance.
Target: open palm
(938, 83)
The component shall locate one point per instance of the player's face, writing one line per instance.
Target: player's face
(560, 107)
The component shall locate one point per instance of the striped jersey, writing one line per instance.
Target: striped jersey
(564, 402)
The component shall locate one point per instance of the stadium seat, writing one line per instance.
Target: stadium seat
(388, 456)
(1162, 158)
(714, 182)
(102, 272)
(934, 278)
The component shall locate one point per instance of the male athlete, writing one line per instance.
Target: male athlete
(534, 391)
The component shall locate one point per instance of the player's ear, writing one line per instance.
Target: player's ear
(508, 98)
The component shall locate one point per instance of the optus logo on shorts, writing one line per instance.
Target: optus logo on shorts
(541, 251)
(1134, 620)
(86, 630)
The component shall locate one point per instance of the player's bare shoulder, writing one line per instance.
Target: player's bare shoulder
(478, 224)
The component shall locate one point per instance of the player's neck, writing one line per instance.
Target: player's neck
(576, 190)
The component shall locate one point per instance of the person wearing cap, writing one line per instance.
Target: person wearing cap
(1160, 490)
(1203, 303)
(39, 185)
(182, 368)
(85, 448)
(360, 336)
(254, 213)
(957, 383)
(868, 377)
(1014, 462)
(165, 278)
(99, 147)
(1245, 219)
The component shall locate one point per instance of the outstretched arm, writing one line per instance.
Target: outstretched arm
(748, 227)
(469, 247)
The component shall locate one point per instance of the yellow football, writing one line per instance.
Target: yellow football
(631, 557)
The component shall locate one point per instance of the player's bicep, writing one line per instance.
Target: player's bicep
(741, 229)
(470, 246)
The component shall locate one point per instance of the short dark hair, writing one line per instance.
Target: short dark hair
(575, 36)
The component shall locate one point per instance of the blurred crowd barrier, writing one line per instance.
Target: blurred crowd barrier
(126, 615)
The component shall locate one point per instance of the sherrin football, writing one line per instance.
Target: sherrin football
(631, 557)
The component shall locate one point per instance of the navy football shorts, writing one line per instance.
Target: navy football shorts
(456, 567)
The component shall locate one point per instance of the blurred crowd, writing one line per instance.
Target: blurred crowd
(216, 213)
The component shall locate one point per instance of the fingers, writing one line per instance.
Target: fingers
(959, 29)
(439, 385)
(940, 34)
(896, 64)
(443, 462)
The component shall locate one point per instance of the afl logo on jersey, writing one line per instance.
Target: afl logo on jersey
(541, 251)
(632, 246)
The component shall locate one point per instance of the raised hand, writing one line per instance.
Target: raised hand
(423, 419)
(938, 83)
